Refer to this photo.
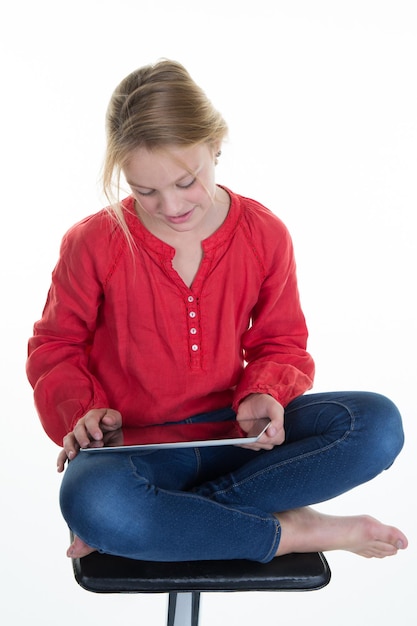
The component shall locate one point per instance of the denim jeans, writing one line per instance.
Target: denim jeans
(219, 502)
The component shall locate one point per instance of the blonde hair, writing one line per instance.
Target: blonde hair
(154, 107)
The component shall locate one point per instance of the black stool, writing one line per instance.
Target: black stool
(102, 573)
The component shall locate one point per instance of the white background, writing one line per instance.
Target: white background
(321, 101)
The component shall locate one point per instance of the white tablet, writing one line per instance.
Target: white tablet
(182, 435)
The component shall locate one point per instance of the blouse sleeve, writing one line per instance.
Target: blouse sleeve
(57, 365)
(274, 346)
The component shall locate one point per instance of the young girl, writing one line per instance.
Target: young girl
(179, 303)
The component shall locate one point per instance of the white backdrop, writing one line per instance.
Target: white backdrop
(321, 101)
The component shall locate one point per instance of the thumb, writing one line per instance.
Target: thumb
(272, 430)
(112, 419)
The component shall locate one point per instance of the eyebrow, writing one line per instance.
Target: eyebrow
(193, 173)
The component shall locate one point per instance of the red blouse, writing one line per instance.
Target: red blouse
(120, 329)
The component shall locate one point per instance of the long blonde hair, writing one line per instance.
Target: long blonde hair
(154, 107)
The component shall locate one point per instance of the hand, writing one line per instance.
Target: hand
(259, 405)
(89, 428)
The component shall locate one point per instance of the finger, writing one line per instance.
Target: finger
(271, 431)
(62, 459)
(271, 439)
(71, 446)
(98, 421)
(91, 424)
(265, 443)
(257, 446)
(112, 420)
(276, 439)
(86, 430)
(68, 453)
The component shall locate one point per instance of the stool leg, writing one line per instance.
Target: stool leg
(183, 608)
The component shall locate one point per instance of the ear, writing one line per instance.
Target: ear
(216, 151)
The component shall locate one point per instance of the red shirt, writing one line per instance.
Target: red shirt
(121, 330)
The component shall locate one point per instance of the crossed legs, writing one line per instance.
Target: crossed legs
(334, 442)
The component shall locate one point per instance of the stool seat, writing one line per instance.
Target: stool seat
(184, 581)
(102, 573)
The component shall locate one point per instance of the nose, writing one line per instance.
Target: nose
(170, 203)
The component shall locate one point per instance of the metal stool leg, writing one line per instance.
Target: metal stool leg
(183, 608)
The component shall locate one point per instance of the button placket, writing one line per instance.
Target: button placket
(193, 331)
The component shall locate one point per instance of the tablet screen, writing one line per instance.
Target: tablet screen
(202, 434)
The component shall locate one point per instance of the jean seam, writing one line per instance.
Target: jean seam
(298, 458)
(198, 461)
(324, 402)
(230, 507)
(275, 543)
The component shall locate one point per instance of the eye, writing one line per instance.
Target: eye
(187, 185)
(145, 193)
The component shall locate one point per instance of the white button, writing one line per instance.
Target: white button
(190, 299)
(193, 331)
(192, 313)
(194, 347)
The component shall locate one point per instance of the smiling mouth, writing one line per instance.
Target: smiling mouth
(180, 219)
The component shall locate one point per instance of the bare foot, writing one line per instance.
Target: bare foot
(306, 530)
(78, 549)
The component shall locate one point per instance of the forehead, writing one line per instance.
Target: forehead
(157, 168)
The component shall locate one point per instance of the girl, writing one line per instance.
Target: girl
(180, 303)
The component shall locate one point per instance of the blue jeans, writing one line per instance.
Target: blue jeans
(218, 502)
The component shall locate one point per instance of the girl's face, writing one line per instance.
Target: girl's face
(174, 188)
